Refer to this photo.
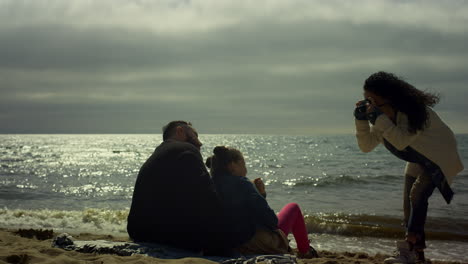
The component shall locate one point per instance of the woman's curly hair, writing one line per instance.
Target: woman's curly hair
(403, 97)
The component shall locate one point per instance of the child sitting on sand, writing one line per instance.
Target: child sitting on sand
(256, 226)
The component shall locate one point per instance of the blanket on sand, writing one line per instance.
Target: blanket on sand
(65, 241)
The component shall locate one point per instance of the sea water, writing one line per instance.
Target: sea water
(352, 201)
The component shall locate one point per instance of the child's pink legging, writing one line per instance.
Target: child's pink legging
(291, 220)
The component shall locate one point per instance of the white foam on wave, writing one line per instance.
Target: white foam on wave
(114, 222)
(97, 221)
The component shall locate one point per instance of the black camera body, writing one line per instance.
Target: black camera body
(361, 108)
(360, 113)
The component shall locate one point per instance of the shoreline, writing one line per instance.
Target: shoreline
(17, 248)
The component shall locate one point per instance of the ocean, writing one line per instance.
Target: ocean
(352, 201)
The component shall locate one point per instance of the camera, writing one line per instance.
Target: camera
(361, 110)
(362, 106)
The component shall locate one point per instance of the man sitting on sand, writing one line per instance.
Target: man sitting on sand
(174, 200)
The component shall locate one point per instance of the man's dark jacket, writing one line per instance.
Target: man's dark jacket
(175, 201)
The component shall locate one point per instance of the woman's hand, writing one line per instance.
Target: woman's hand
(373, 110)
(258, 182)
(362, 107)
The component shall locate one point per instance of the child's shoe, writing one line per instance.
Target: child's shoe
(311, 253)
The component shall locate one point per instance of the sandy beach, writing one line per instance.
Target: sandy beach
(18, 248)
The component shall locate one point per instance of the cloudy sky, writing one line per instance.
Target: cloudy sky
(229, 66)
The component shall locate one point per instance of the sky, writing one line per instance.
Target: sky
(228, 66)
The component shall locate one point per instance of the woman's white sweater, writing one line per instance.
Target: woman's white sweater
(436, 142)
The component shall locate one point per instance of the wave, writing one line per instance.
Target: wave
(363, 225)
(114, 222)
(99, 221)
(342, 180)
(8, 160)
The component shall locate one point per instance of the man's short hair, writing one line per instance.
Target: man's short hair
(169, 129)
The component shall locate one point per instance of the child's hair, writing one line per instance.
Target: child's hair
(223, 156)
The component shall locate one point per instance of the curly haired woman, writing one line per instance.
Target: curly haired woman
(403, 121)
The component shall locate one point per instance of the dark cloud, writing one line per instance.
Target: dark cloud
(239, 76)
